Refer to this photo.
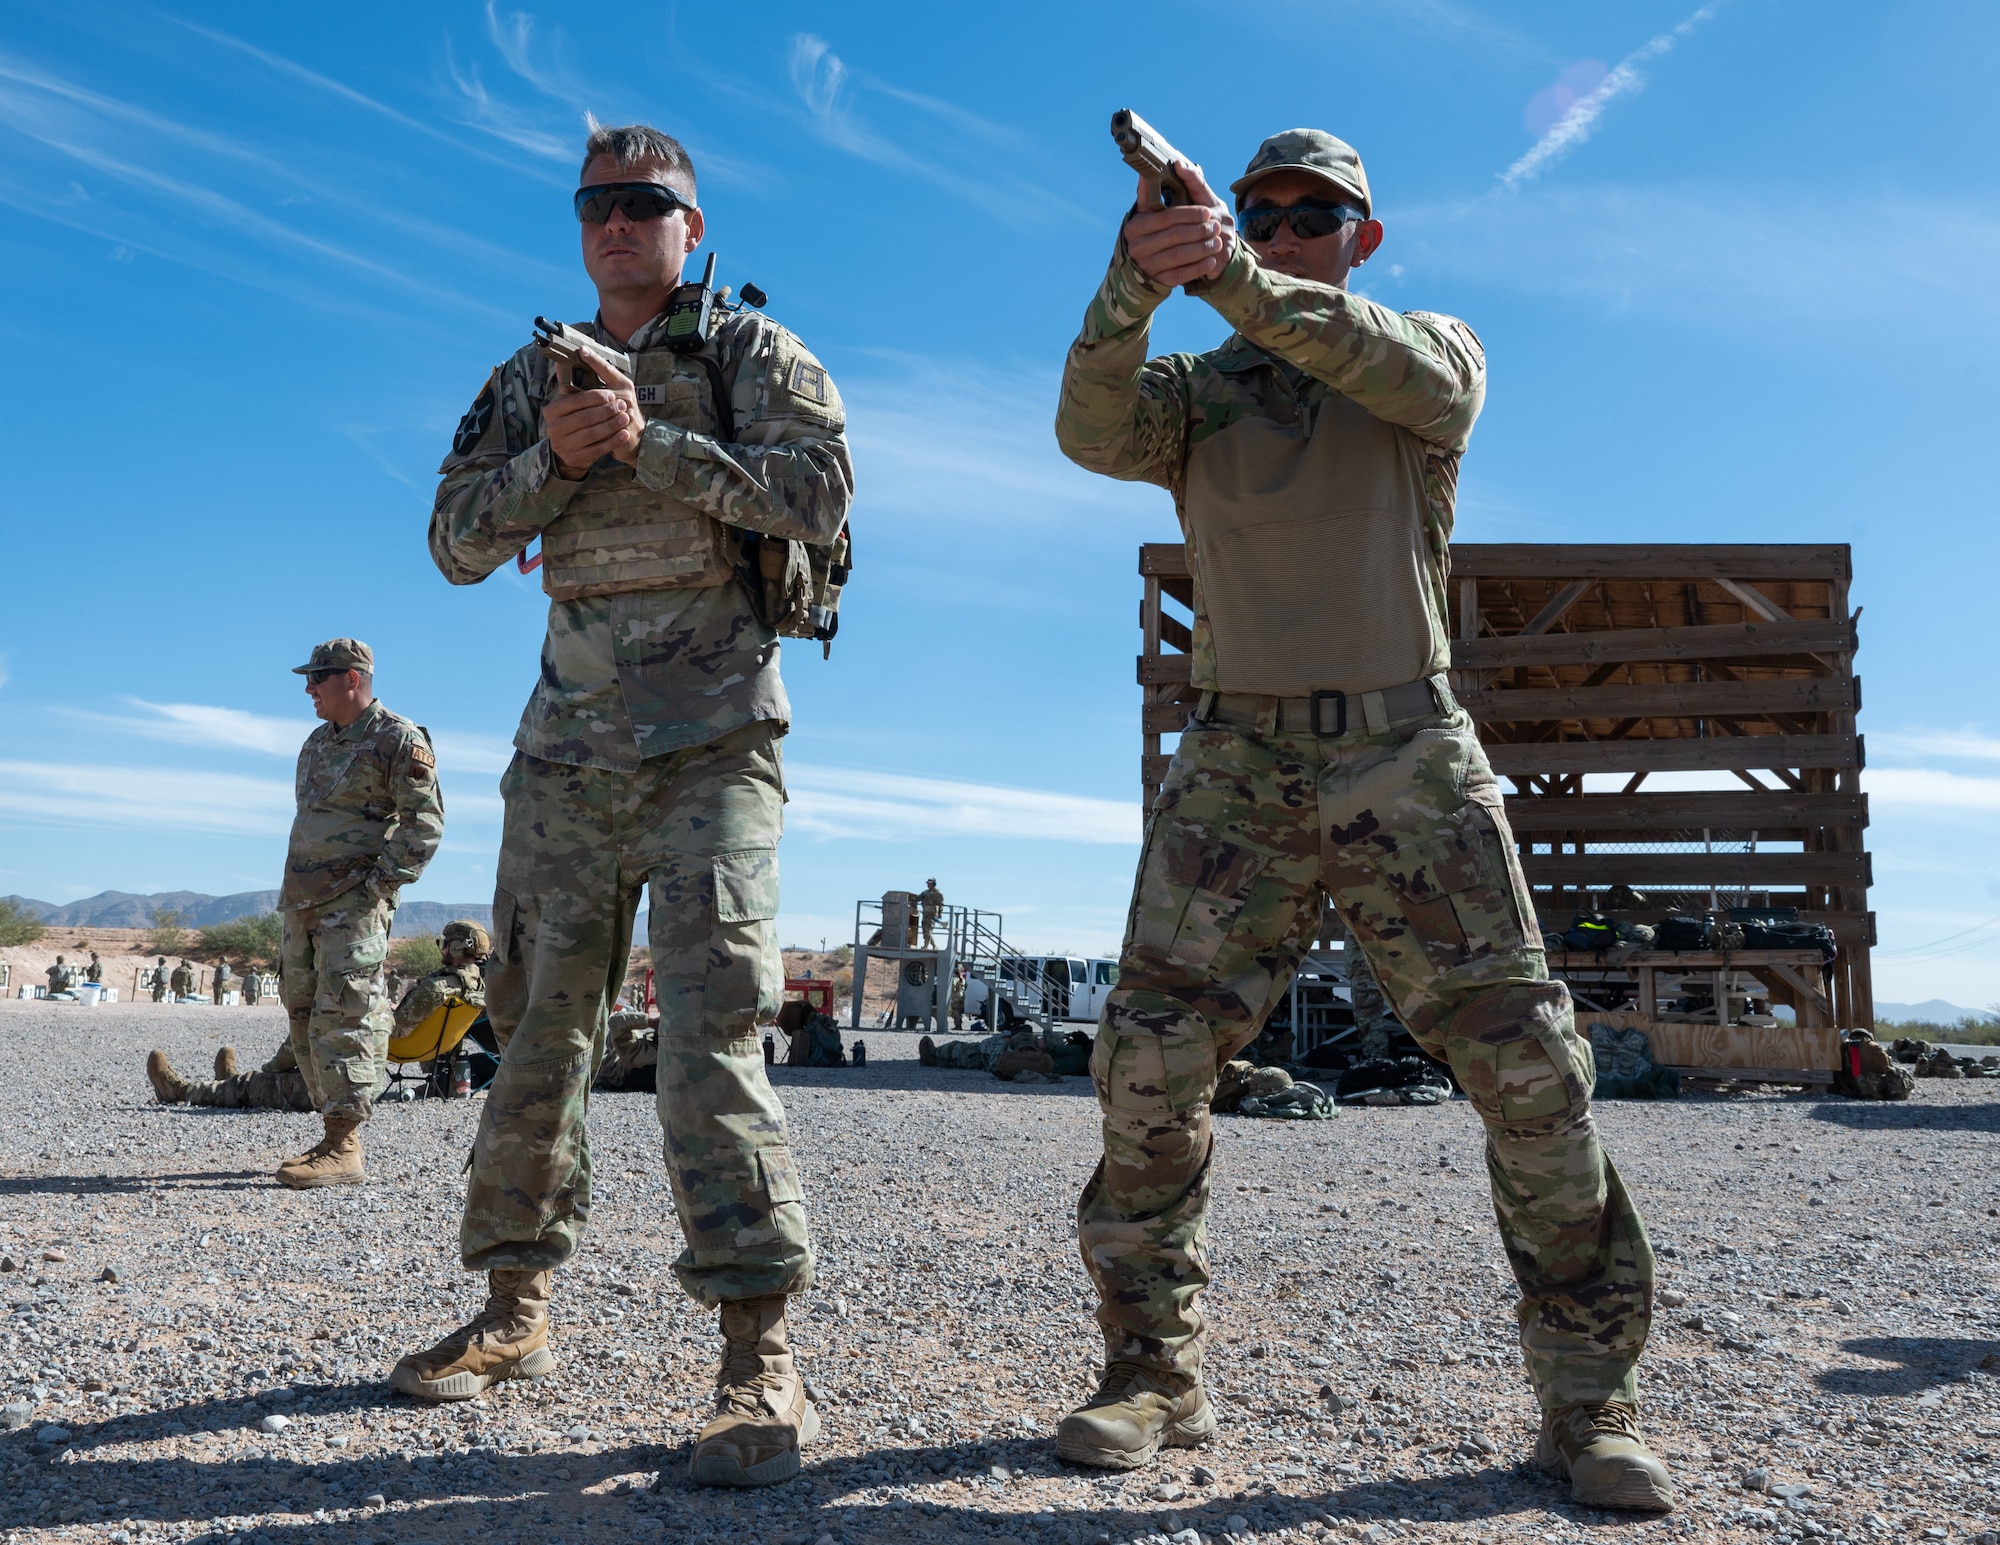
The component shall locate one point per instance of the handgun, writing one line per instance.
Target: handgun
(578, 352)
(1146, 151)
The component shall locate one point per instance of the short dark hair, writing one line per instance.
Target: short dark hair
(630, 143)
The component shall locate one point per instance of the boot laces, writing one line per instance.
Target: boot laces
(1118, 1380)
(739, 1386)
(1612, 1419)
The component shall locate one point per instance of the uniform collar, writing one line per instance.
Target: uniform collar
(650, 335)
(360, 727)
(1237, 354)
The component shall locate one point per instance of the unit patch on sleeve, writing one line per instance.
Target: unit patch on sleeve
(473, 426)
(808, 381)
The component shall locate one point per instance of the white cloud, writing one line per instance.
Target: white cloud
(1925, 790)
(848, 802)
(1580, 121)
(156, 797)
(215, 728)
(1967, 744)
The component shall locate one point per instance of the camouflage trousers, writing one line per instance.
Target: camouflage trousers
(277, 1085)
(700, 827)
(1373, 1018)
(1403, 829)
(334, 991)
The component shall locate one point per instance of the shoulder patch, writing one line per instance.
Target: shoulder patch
(472, 428)
(420, 756)
(800, 387)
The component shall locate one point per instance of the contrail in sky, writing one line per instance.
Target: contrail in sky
(1580, 122)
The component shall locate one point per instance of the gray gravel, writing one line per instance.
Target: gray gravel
(1829, 1266)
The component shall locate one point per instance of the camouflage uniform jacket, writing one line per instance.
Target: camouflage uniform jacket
(369, 810)
(428, 994)
(647, 672)
(1297, 345)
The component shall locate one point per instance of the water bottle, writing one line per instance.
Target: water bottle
(770, 1052)
(461, 1077)
(861, 1054)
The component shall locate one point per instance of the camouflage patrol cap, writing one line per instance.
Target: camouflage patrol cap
(339, 654)
(467, 936)
(1308, 150)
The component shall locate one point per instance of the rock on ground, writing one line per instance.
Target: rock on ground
(1824, 1370)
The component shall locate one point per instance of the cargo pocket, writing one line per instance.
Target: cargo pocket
(1457, 891)
(1152, 1074)
(780, 1176)
(1190, 892)
(746, 886)
(1540, 1076)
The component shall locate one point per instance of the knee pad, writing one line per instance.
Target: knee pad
(1518, 1057)
(1154, 1054)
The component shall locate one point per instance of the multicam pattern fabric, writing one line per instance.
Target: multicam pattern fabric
(1302, 354)
(638, 675)
(578, 846)
(426, 995)
(1405, 831)
(277, 1085)
(369, 814)
(631, 1051)
(332, 984)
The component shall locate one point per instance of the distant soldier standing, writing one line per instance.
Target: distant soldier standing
(930, 906)
(648, 755)
(182, 980)
(253, 988)
(1313, 460)
(223, 983)
(369, 819)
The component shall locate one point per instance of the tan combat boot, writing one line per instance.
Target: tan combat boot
(508, 1339)
(1133, 1413)
(1599, 1450)
(335, 1162)
(225, 1063)
(762, 1415)
(169, 1088)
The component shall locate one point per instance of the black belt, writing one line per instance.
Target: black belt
(1329, 713)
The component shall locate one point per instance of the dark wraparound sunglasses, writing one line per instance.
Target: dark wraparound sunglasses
(321, 678)
(1308, 218)
(634, 200)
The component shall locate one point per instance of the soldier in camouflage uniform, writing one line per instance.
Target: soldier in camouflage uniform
(1313, 460)
(648, 755)
(369, 819)
(160, 974)
(279, 1084)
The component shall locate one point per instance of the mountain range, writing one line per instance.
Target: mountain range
(123, 909)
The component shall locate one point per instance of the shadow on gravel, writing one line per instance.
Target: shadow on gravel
(908, 1076)
(1924, 1362)
(1909, 1116)
(507, 1495)
(133, 1185)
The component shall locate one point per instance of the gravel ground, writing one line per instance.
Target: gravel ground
(1828, 1267)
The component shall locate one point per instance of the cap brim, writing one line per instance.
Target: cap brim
(1249, 180)
(304, 670)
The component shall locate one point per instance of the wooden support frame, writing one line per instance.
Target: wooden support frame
(1587, 661)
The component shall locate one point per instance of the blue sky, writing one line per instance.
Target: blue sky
(1737, 271)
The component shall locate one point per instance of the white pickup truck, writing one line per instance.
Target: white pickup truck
(1069, 987)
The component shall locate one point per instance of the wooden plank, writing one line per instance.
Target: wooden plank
(1667, 810)
(1853, 931)
(1710, 753)
(1692, 870)
(1719, 641)
(1755, 600)
(1664, 700)
(1652, 560)
(1164, 558)
(1739, 1048)
(1561, 602)
(1165, 670)
(1152, 769)
(1165, 718)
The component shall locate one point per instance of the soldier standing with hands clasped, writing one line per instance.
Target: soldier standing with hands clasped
(369, 819)
(648, 756)
(1313, 459)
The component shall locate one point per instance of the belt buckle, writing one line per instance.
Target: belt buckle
(1340, 719)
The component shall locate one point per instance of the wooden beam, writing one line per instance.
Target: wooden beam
(1168, 718)
(1755, 600)
(1652, 560)
(1663, 700)
(1164, 559)
(1160, 670)
(1712, 753)
(1152, 769)
(1559, 603)
(1696, 869)
(1672, 810)
(1712, 641)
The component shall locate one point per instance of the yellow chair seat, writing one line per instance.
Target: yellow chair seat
(436, 1035)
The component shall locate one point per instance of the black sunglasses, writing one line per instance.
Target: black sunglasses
(321, 678)
(634, 200)
(1308, 218)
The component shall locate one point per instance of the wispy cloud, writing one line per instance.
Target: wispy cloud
(1967, 745)
(1580, 121)
(847, 802)
(212, 727)
(1928, 790)
(146, 796)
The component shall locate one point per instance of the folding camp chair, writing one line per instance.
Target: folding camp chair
(420, 1063)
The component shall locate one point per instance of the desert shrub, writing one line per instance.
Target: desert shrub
(416, 957)
(1981, 1030)
(169, 935)
(254, 939)
(18, 925)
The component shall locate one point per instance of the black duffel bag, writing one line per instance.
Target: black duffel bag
(1790, 936)
(1681, 932)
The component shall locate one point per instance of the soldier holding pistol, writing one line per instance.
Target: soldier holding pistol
(1313, 460)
